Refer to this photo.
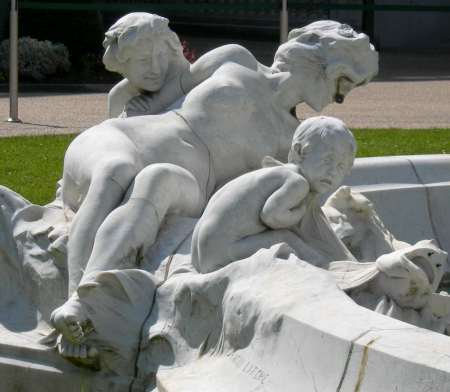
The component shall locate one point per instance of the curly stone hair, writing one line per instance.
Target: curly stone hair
(133, 29)
(332, 48)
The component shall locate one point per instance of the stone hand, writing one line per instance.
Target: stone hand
(139, 105)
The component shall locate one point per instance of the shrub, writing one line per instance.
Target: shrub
(91, 64)
(37, 59)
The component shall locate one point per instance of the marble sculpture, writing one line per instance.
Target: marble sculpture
(178, 234)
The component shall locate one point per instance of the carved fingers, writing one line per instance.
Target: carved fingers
(139, 105)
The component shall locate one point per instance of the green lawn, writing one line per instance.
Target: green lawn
(32, 165)
(381, 142)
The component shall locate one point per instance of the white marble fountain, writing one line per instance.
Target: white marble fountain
(193, 244)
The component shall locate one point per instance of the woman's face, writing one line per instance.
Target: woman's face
(148, 66)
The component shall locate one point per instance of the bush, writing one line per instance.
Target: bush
(37, 59)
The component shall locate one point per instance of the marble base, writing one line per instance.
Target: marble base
(325, 343)
(26, 365)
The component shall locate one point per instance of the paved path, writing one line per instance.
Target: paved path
(405, 104)
(53, 113)
(418, 104)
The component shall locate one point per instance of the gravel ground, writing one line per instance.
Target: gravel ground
(53, 113)
(383, 104)
(418, 104)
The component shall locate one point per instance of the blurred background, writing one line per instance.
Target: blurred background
(63, 82)
(411, 35)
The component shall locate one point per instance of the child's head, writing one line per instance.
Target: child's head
(141, 46)
(324, 150)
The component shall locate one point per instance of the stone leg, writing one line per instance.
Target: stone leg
(157, 190)
(247, 246)
(107, 188)
(110, 179)
(215, 252)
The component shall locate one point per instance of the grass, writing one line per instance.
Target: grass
(383, 142)
(32, 165)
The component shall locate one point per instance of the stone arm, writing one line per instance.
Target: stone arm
(198, 72)
(119, 96)
(286, 206)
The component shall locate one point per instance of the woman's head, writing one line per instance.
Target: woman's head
(332, 56)
(141, 47)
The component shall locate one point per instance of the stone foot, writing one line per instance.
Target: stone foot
(79, 354)
(70, 320)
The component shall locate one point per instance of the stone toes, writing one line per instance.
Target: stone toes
(64, 348)
(77, 351)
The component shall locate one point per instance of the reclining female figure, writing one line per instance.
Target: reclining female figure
(123, 176)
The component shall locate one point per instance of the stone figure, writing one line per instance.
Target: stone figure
(142, 48)
(257, 209)
(399, 284)
(135, 187)
(124, 176)
(152, 88)
(146, 52)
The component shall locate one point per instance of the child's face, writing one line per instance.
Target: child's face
(147, 68)
(325, 165)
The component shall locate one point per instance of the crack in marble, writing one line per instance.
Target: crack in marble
(349, 355)
(428, 201)
(363, 365)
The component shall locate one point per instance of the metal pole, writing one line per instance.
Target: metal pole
(284, 21)
(13, 63)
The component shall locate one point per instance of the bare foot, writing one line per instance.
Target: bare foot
(70, 321)
(80, 354)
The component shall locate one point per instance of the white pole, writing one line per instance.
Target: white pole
(284, 21)
(13, 63)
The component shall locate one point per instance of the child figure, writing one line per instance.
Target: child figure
(278, 203)
(146, 52)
